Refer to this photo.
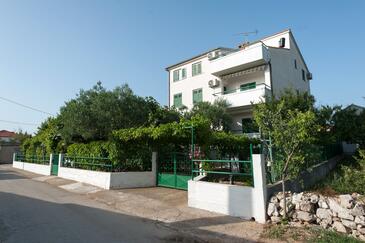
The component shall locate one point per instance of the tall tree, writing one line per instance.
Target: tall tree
(290, 123)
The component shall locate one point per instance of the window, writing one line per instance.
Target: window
(303, 74)
(196, 68)
(295, 64)
(176, 75)
(249, 126)
(183, 73)
(179, 74)
(248, 86)
(178, 100)
(197, 96)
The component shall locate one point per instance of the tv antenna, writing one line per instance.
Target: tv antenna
(247, 34)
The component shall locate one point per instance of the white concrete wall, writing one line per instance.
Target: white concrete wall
(239, 201)
(221, 198)
(96, 178)
(35, 168)
(135, 179)
(112, 180)
(18, 164)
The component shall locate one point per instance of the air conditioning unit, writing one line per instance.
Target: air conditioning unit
(309, 76)
(213, 55)
(213, 83)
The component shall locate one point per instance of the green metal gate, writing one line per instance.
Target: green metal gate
(174, 170)
(54, 165)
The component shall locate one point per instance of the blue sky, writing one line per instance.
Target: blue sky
(51, 49)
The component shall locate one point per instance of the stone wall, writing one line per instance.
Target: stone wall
(343, 213)
(307, 178)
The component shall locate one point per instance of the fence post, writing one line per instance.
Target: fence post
(154, 165)
(60, 158)
(14, 157)
(260, 188)
(50, 163)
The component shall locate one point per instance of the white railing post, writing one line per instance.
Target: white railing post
(14, 157)
(50, 163)
(60, 158)
(260, 188)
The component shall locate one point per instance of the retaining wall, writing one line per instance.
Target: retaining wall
(112, 180)
(307, 179)
(233, 200)
(35, 168)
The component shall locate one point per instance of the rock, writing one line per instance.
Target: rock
(360, 220)
(314, 198)
(362, 237)
(280, 195)
(275, 219)
(338, 226)
(349, 224)
(305, 216)
(355, 233)
(345, 214)
(361, 231)
(358, 210)
(322, 203)
(324, 213)
(324, 224)
(297, 197)
(334, 205)
(336, 219)
(346, 201)
(274, 199)
(307, 207)
(272, 209)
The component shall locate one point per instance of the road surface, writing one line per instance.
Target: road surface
(32, 211)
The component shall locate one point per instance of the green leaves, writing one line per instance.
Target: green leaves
(291, 123)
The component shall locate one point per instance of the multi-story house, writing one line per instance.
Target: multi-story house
(241, 76)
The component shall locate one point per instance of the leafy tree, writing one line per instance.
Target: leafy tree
(95, 113)
(349, 126)
(290, 122)
(215, 112)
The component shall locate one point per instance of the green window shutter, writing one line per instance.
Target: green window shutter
(196, 68)
(197, 96)
(176, 75)
(178, 100)
(248, 86)
(183, 73)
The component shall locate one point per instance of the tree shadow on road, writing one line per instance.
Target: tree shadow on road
(26, 219)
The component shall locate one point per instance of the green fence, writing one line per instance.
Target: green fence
(87, 163)
(34, 159)
(231, 171)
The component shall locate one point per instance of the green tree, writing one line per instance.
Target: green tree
(95, 113)
(290, 123)
(215, 112)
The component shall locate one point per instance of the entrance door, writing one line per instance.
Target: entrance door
(54, 166)
(174, 170)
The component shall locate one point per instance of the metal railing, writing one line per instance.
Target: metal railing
(87, 163)
(229, 167)
(234, 91)
(34, 159)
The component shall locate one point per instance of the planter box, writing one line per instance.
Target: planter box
(35, 168)
(112, 180)
(221, 198)
(239, 201)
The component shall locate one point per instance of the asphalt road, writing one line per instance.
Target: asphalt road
(32, 211)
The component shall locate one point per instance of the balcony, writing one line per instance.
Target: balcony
(237, 98)
(251, 56)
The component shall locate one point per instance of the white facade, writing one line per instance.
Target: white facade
(241, 76)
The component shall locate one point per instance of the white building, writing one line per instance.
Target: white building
(241, 76)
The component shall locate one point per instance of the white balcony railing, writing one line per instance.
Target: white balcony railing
(237, 98)
(251, 56)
